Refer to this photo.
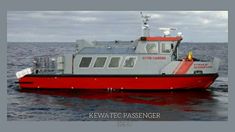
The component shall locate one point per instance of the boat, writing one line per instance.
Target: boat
(151, 63)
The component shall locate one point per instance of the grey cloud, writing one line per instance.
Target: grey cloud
(112, 25)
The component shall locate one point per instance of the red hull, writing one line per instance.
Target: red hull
(117, 82)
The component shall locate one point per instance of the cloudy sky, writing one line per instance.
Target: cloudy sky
(68, 26)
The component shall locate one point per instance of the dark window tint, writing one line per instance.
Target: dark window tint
(129, 62)
(166, 47)
(152, 48)
(100, 61)
(85, 62)
(114, 62)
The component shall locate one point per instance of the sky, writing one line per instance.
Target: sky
(69, 26)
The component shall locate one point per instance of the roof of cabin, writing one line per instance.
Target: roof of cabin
(161, 38)
(115, 47)
(121, 47)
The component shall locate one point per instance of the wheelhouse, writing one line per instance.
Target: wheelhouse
(159, 45)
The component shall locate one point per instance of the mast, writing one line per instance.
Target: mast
(145, 26)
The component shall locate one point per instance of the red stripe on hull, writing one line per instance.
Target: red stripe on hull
(118, 82)
(184, 67)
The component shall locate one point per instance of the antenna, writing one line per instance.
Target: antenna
(145, 26)
(167, 31)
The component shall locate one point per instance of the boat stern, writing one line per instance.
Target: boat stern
(23, 73)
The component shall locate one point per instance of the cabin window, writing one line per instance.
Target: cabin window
(85, 62)
(166, 47)
(114, 62)
(152, 48)
(100, 62)
(129, 62)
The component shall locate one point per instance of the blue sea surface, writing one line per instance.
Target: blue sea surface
(37, 105)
